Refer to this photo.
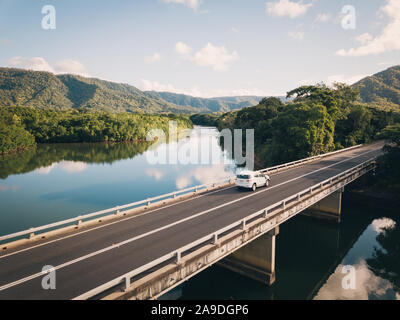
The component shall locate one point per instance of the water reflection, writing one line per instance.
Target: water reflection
(310, 256)
(59, 181)
(369, 258)
(72, 157)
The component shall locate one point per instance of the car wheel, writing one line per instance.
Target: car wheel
(254, 188)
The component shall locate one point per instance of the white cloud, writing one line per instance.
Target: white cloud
(67, 166)
(45, 170)
(71, 66)
(380, 225)
(35, 63)
(364, 38)
(203, 175)
(323, 17)
(194, 4)
(156, 174)
(40, 64)
(218, 58)
(148, 85)
(388, 40)
(153, 58)
(183, 49)
(297, 35)
(287, 8)
(72, 167)
(367, 284)
(345, 79)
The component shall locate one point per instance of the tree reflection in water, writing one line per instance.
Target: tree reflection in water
(385, 261)
(45, 155)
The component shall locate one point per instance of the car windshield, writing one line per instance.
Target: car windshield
(243, 176)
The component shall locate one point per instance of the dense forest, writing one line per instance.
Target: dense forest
(23, 127)
(45, 90)
(222, 104)
(317, 119)
(382, 89)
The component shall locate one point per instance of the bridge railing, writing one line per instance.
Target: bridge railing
(297, 163)
(117, 210)
(32, 232)
(177, 254)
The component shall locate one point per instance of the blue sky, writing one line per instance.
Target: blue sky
(204, 48)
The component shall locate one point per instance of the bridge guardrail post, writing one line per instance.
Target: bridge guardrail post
(127, 282)
(215, 238)
(178, 257)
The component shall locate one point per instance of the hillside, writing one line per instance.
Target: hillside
(382, 88)
(45, 90)
(220, 104)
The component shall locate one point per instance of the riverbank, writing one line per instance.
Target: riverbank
(24, 127)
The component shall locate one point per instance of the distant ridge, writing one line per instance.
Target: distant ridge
(382, 88)
(46, 90)
(218, 104)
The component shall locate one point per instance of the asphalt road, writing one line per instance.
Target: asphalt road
(89, 258)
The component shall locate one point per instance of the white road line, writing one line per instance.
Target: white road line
(111, 223)
(133, 217)
(12, 284)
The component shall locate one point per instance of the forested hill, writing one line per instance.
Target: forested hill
(382, 89)
(45, 90)
(220, 104)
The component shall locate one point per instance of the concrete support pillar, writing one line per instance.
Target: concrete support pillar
(329, 208)
(256, 260)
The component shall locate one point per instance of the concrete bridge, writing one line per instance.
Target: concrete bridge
(144, 249)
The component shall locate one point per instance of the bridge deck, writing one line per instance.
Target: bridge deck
(86, 259)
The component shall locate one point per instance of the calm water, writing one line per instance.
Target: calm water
(310, 259)
(59, 181)
(55, 182)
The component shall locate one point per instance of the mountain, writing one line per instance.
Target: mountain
(40, 89)
(63, 92)
(382, 88)
(219, 104)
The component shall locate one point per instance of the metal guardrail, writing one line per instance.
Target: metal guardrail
(302, 161)
(145, 203)
(213, 237)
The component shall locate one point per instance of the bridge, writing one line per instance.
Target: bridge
(144, 249)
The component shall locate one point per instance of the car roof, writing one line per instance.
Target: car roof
(247, 172)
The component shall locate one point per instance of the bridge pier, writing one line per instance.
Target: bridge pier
(329, 208)
(256, 260)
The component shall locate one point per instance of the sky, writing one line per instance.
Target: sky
(204, 48)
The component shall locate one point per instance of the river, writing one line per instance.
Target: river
(55, 182)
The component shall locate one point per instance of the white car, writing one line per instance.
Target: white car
(252, 180)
